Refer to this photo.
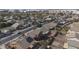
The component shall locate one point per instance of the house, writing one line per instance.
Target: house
(33, 33)
(75, 27)
(5, 30)
(61, 22)
(73, 39)
(46, 27)
(60, 41)
(14, 26)
(11, 21)
(53, 33)
(48, 19)
(73, 35)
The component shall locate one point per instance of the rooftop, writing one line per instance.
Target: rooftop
(75, 27)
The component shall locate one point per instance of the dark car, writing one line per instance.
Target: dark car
(19, 32)
(29, 39)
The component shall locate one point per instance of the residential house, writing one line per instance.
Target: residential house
(14, 26)
(73, 35)
(60, 41)
(46, 27)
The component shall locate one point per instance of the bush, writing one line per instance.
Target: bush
(2, 25)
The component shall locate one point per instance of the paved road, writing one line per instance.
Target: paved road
(5, 39)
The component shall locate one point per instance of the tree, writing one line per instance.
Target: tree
(39, 25)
